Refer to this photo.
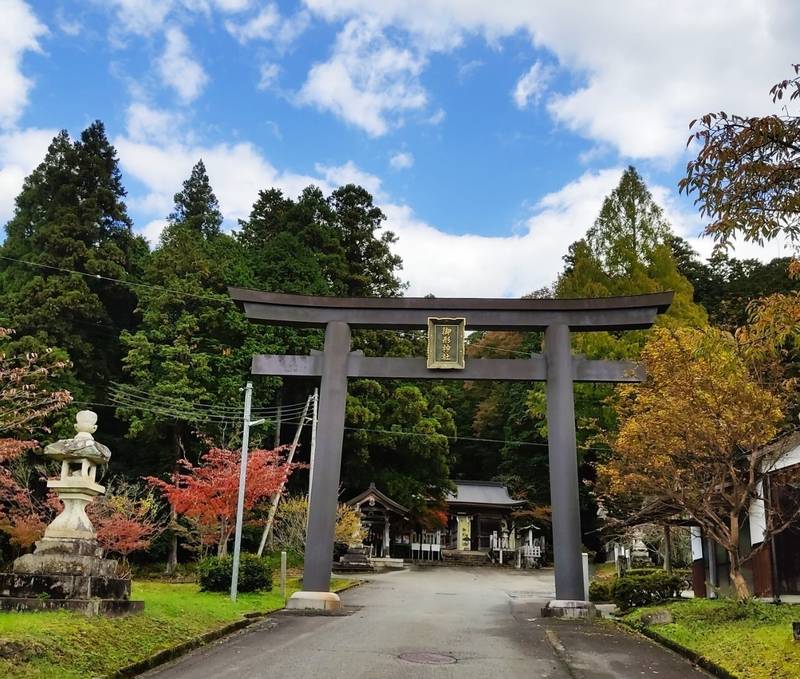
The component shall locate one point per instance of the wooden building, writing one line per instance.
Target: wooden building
(478, 520)
(479, 517)
(775, 570)
(385, 522)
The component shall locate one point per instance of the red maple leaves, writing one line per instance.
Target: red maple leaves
(206, 494)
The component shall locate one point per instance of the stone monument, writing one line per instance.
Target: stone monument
(66, 569)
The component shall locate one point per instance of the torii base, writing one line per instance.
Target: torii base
(314, 601)
(568, 608)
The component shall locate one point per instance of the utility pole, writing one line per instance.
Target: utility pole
(237, 540)
(278, 418)
(313, 440)
(275, 500)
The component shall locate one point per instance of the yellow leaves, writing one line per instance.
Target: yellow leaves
(691, 419)
(348, 524)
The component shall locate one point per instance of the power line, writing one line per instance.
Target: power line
(466, 438)
(296, 420)
(96, 276)
(177, 414)
(132, 392)
(219, 300)
(527, 354)
(185, 413)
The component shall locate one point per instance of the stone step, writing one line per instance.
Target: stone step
(466, 558)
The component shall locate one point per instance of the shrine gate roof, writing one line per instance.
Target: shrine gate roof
(585, 314)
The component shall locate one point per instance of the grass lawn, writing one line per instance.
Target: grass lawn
(69, 645)
(751, 641)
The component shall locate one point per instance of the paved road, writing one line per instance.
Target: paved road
(486, 620)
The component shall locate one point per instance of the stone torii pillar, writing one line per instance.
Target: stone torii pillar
(557, 366)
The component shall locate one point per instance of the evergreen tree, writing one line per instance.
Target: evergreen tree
(630, 227)
(370, 266)
(71, 216)
(333, 246)
(725, 286)
(397, 438)
(190, 351)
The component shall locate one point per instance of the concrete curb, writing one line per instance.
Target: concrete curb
(699, 660)
(174, 652)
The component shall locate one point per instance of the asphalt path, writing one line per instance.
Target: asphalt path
(438, 623)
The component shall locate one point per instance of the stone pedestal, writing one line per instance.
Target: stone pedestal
(66, 574)
(355, 560)
(568, 608)
(314, 601)
(67, 569)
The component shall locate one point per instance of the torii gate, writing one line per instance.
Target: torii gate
(446, 320)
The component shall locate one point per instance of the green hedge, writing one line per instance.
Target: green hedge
(214, 573)
(600, 590)
(644, 589)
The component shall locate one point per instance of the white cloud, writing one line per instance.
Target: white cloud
(145, 123)
(260, 27)
(368, 81)
(140, 16)
(466, 70)
(688, 224)
(401, 160)
(233, 5)
(445, 264)
(20, 31)
(20, 152)
(237, 172)
(269, 25)
(437, 117)
(152, 231)
(640, 70)
(69, 26)
(532, 85)
(269, 76)
(349, 173)
(178, 69)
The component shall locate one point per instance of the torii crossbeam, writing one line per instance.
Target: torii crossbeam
(556, 366)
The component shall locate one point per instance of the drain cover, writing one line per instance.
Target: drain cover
(427, 658)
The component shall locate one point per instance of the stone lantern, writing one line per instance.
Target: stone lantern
(77, 486)
(67, 569)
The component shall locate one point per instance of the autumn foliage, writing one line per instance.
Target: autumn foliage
(25, 402)
(206, 494)
(292, 520)
(691, 436)
(127, 518)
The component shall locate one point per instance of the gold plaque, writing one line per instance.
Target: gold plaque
(446, 343)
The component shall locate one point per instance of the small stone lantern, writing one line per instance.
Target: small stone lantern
(67, 569)
(77, 486)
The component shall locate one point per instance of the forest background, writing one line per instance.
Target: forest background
(149, 339)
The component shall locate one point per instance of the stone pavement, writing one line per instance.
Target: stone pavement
(439, 623)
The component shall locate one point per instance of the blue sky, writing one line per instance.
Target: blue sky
(488, 132)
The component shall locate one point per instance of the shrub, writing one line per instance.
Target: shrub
(214, 573)
(600, 590)
(634, 590)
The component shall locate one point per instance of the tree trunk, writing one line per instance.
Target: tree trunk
(739, 583)
(224, 534)
(667, 549)
(737, 579)
(172, 556)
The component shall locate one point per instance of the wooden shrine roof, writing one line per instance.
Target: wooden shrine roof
(384, 499)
